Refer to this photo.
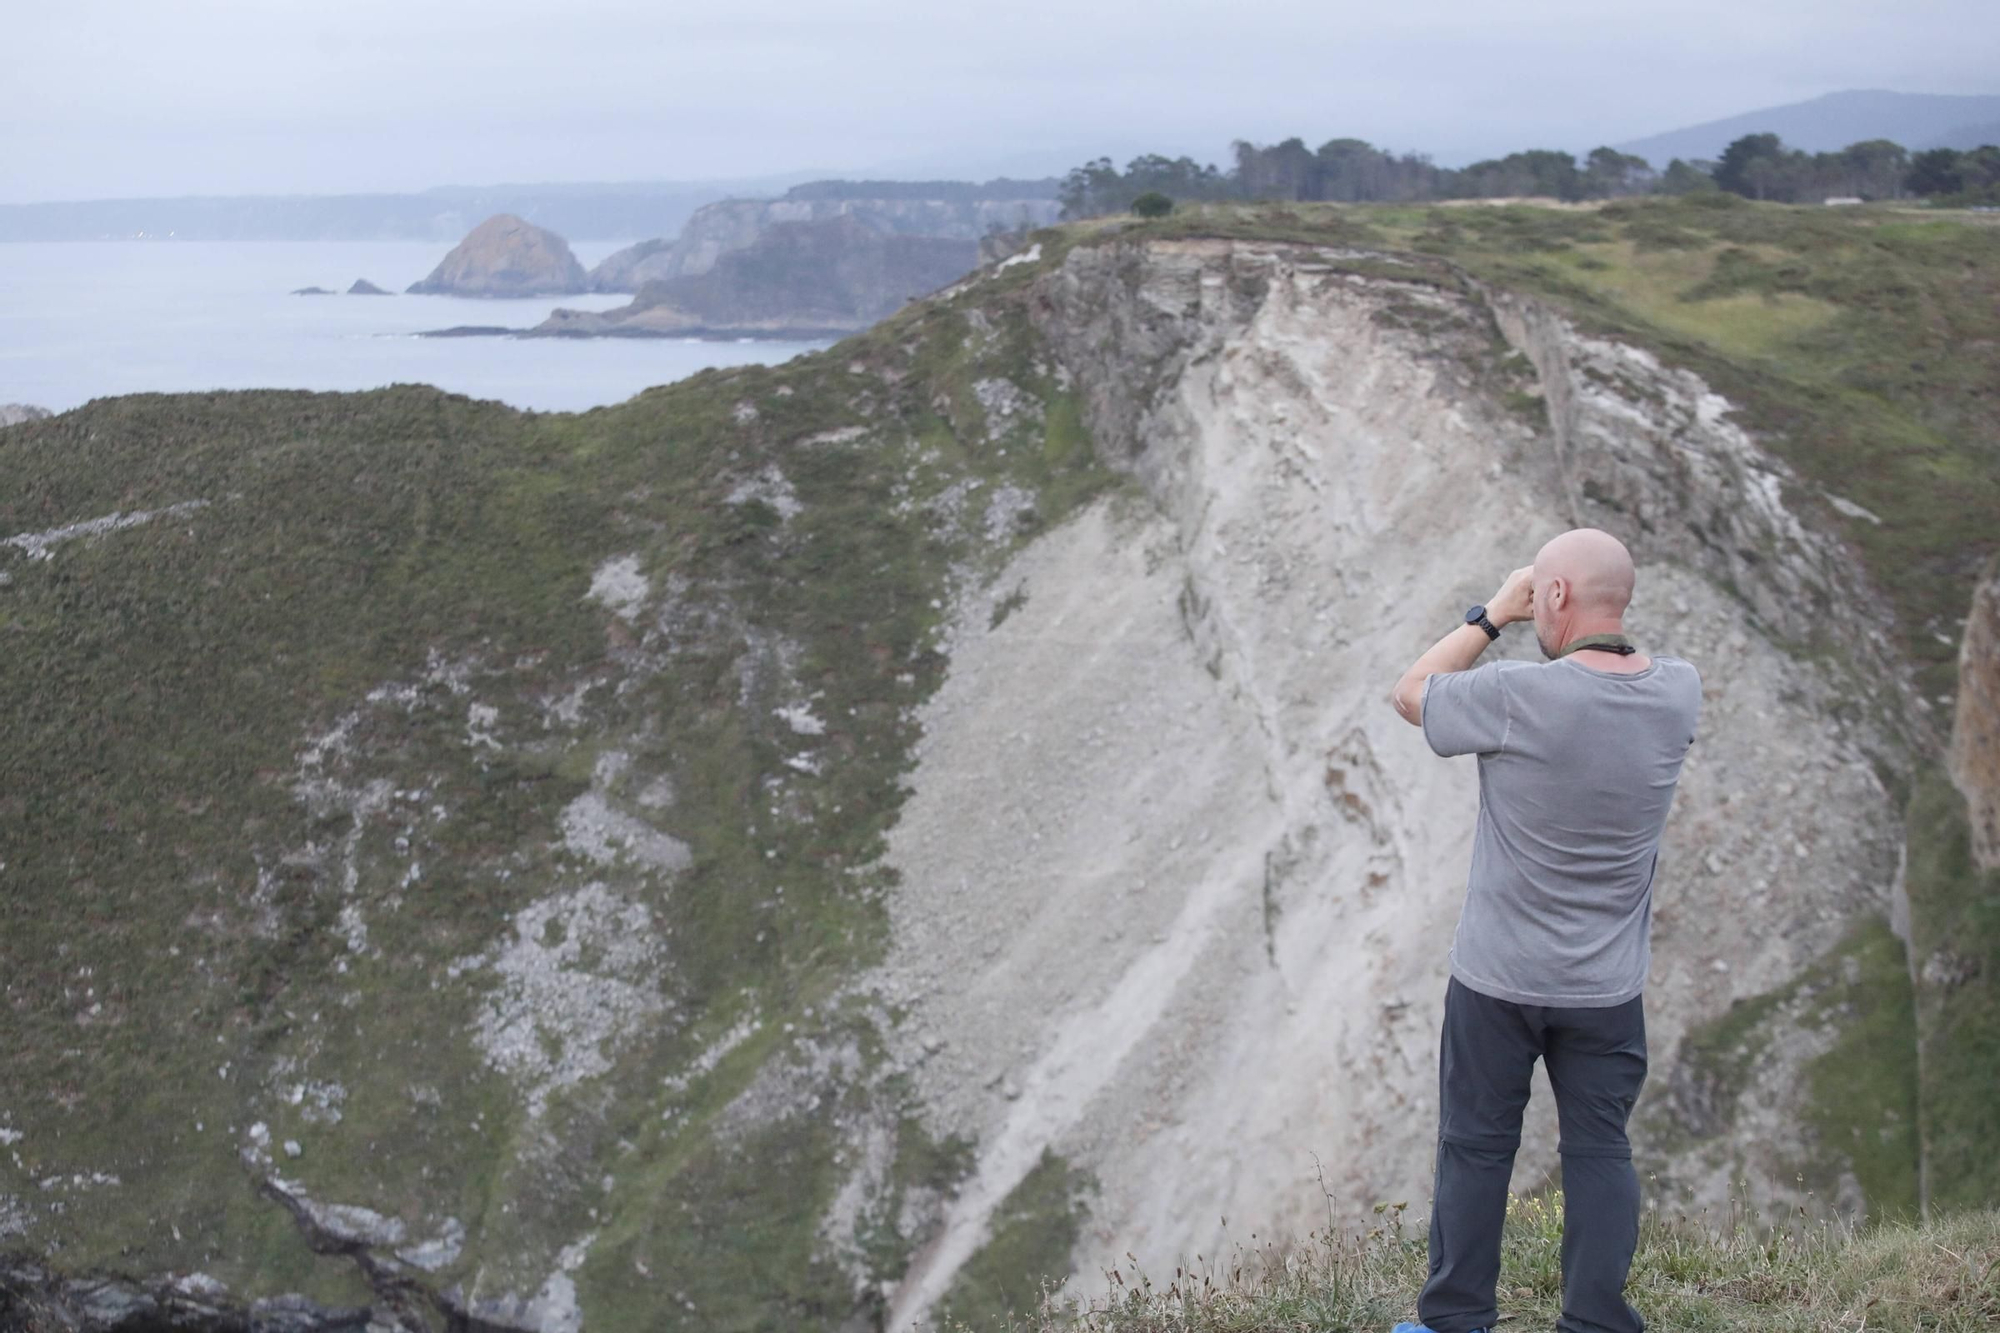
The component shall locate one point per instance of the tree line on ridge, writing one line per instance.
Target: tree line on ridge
(1757, 166)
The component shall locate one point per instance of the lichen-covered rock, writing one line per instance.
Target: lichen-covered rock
(505, 256)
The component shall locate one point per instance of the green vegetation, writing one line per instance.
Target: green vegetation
(1955, 939)
(1759, 166)
(1034, 1230)
(261, 868)
(1352, 171)
(1863, 1090)
(1722, 1276)
(1860, 1094)
(1152, 204)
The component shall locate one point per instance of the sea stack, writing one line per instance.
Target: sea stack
(506, 256)
(363, 287)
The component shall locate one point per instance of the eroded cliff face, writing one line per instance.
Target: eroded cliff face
(1177, 884)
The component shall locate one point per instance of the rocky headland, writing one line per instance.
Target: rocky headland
(506, 256)
(797, 279)
(946, 209)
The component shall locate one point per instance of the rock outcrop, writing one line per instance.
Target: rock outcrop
(797, 279)
(363, 287)
(312, 291)
(505, 256)
(34, 1298)
(735, 224)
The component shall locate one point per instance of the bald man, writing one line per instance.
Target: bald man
(1578, 758)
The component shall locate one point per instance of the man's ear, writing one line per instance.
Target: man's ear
(1556, 590)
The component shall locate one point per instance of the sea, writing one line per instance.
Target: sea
(88, 319)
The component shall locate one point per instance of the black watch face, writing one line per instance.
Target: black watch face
(1474, 616)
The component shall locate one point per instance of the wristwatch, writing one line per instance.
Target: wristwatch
(1477, 616)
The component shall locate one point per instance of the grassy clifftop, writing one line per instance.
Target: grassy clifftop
(1942, 1277)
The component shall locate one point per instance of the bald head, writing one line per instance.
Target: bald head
(1583, 583)
(1594, 565)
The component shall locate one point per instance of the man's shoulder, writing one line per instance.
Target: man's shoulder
(1680, 668)
(1564, 676)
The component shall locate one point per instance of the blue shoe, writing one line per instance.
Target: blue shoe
(1422, 1328)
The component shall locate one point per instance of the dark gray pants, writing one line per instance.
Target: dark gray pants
(1596, 1060)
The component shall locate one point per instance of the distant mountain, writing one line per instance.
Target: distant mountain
(579, 210)
(1968, 136)
(1915, 120)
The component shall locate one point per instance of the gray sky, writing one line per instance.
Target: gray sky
(157, 97)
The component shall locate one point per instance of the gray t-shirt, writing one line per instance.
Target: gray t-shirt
(1576, 773)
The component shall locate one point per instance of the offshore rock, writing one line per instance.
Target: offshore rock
(506, 256)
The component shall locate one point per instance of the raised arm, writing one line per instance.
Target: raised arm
(1458, 650)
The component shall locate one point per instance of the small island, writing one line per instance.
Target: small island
(363, 287)
(506, 256)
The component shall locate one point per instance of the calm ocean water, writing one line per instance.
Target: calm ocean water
(82, 320)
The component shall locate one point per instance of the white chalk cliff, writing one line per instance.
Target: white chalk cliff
(1177, 884)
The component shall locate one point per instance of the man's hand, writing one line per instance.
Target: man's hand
(1515, 600)
(1459, 649)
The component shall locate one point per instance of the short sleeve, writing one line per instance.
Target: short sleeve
(1465, 712)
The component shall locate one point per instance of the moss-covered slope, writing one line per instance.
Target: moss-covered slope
(450, 811)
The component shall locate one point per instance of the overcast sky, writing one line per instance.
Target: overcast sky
(108, 98)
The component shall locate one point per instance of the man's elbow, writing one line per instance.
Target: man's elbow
(1408, 700)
